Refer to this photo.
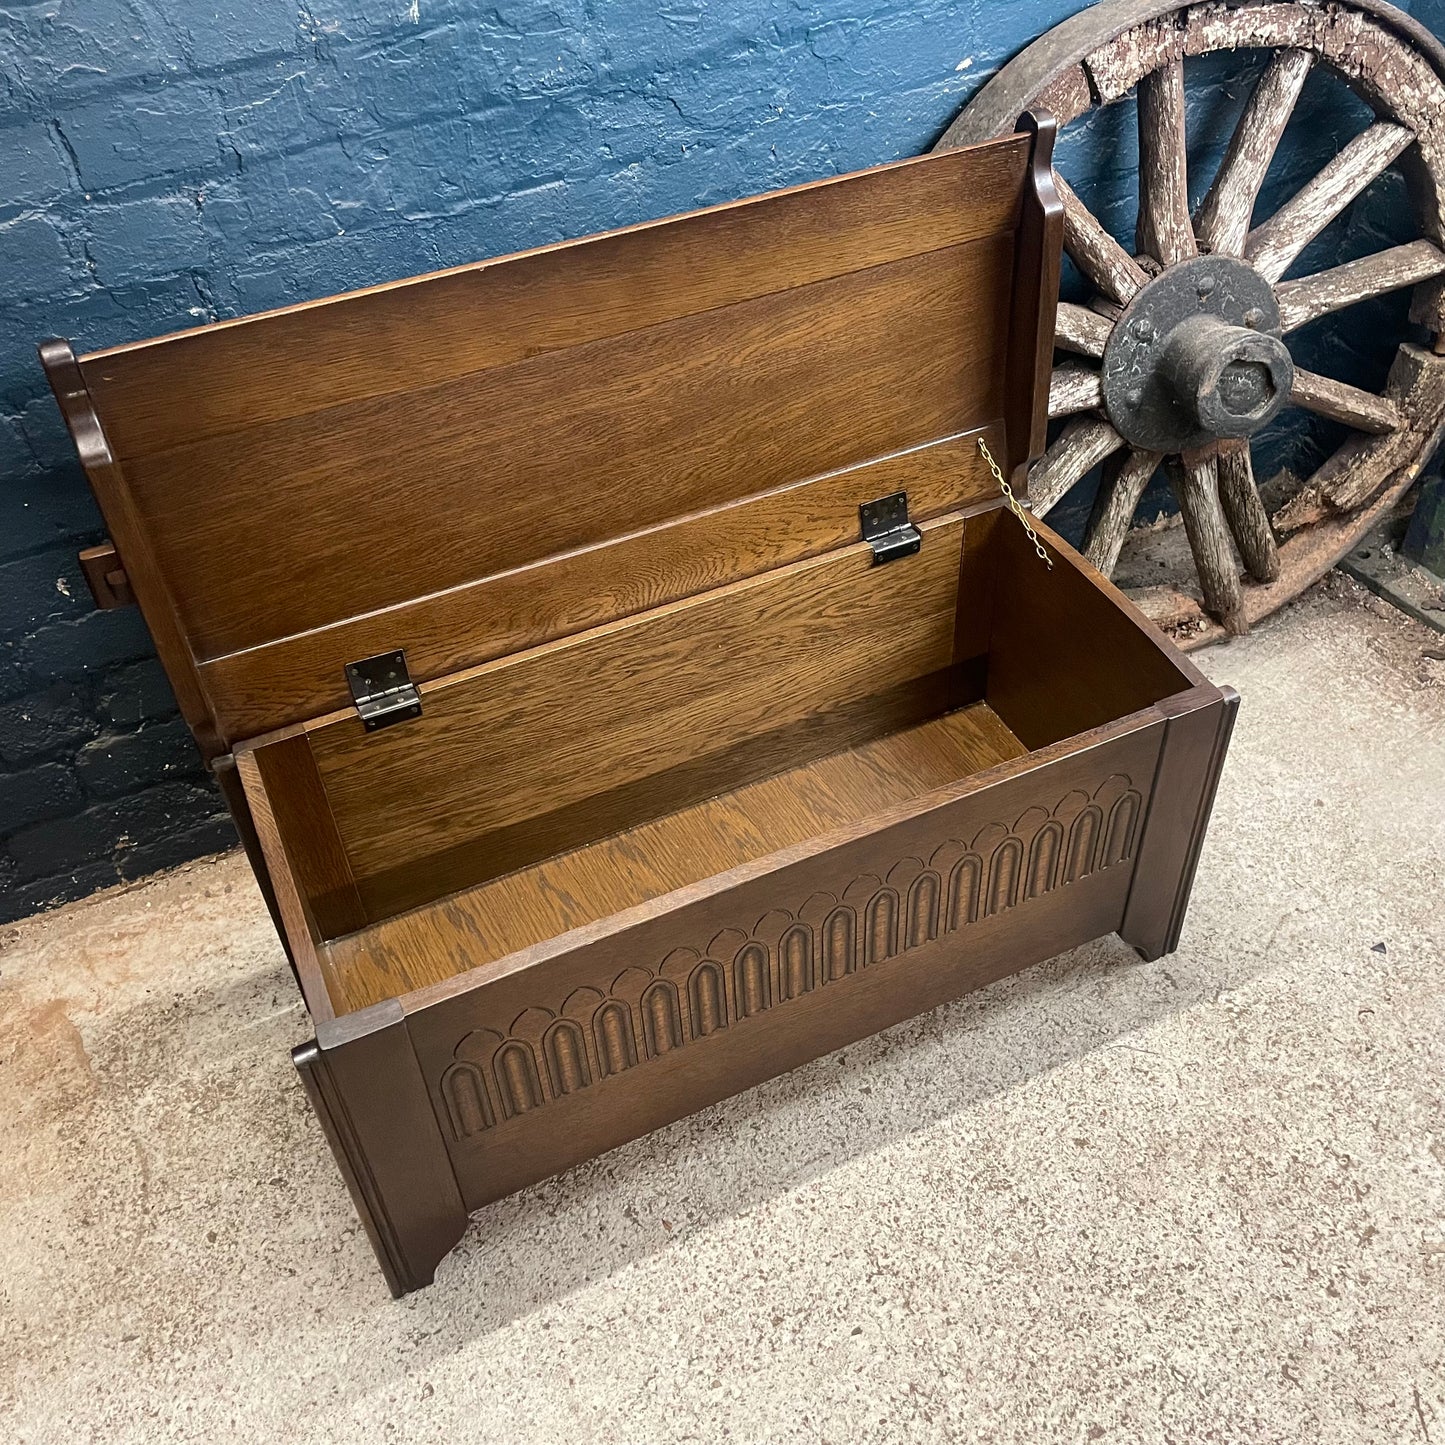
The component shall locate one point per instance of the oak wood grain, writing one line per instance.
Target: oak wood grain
(425, 330)
(500, 917)
(261, 689)
(566, 725)
(372, 503)
(1069, 652)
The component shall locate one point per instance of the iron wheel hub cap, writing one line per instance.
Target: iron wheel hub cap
(1197, 356)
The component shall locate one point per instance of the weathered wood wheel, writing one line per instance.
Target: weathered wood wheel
(1180, 356)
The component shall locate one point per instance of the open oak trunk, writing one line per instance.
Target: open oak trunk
(626, 672)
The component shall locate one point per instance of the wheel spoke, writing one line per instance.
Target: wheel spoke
(1164, 230)
(1339, 401)
(1365, 464)
(1243, 510)
(1125, 477)
(1095, 252)
(1079, 329)
(1082, 444)
(1195, 478)
(1313, 296)
(1223, 220)
(1074, 388)
(1273, 246)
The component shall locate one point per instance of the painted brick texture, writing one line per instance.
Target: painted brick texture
(165, 164)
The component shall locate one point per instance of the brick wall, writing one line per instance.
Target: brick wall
(165, 164)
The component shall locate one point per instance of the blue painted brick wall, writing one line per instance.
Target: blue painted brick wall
(165, 163)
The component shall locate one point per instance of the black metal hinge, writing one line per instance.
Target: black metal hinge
(886, 528)
(383, 690)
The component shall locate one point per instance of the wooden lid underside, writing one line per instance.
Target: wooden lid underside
(474, 462)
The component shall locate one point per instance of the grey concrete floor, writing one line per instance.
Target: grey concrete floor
(1196, 1200)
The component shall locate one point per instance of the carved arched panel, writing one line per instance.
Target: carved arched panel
(479, 1047)
(464, 1092)
(752, 983)
(707, 999)
(1123, 819)
(639, 1015)
(1082, 856)
(880, 927)
(795, 962)
(1044, 851)
(661, 1018)
(840, 943)
(922, 910)
(615, 1038)
(519, 1088)
(965, 888)
(1004, 870)
(564, 1050)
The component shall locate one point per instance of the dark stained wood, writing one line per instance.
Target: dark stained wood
(653, 859)
(1195, 741)
(363, 1080)
(564, 743)
(442, 633)
(299, 927)
(1037, 256)
(302, 813)
(375, 503)
(418, 333)
(1068, 652)
(657, 1090)
(697, 791)
(228, 780)
(109, 586)
(132, 541)
(919, 933)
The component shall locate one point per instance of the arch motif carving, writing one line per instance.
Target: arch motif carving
(643, 1014)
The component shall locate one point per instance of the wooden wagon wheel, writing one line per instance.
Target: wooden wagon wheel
(1181, 356)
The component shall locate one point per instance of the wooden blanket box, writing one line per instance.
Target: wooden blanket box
(625, 671)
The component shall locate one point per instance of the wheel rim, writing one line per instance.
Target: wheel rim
(1098, 57)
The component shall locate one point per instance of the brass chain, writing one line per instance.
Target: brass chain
(1013, 505)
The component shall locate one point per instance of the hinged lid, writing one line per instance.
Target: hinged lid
(476, 461)
(382, 689)
(886, 529)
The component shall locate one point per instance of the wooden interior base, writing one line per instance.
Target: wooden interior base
(496, 918)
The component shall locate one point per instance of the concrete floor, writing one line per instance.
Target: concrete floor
(1196, 1200)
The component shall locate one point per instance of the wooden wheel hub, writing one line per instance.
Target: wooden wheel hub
(1196, 357)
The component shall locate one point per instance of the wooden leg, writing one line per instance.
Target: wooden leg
(363, 1080)
(1196, 739)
